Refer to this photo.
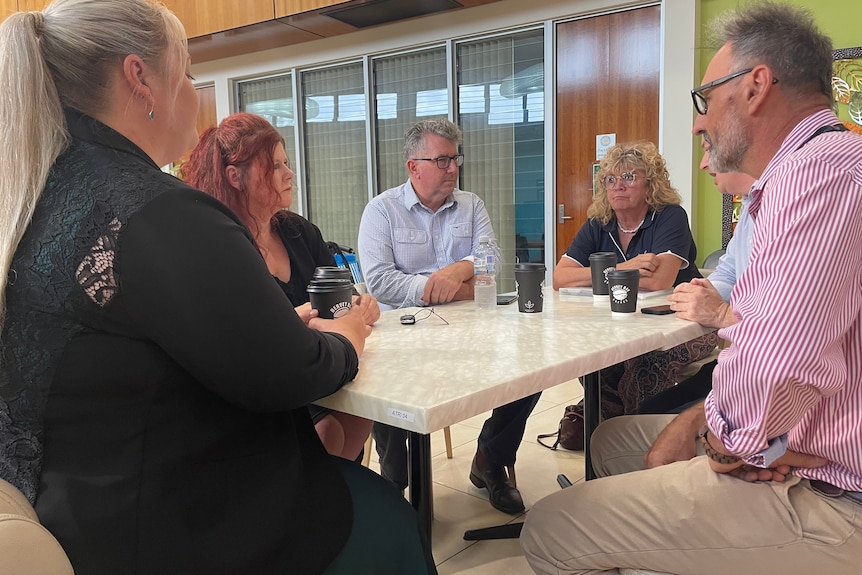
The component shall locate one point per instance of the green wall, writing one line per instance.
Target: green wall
(841, 20)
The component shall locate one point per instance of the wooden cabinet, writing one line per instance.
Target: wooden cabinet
(202, 18)
(290, 7)
(7, 7)
(31, 5)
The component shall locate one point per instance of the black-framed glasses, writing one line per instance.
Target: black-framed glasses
(444, 161)
(700, 103)
(424, 313)
(627, 178)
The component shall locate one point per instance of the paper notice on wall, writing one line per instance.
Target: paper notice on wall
(603, 143)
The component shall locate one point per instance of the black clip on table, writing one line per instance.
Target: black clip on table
(592, 400)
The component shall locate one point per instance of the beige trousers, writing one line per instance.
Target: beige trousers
(686, 519)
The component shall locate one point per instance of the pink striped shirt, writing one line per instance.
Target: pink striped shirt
(794, 365)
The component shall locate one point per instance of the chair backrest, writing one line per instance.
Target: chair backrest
(711, 260)
(345, 257)
(26, 547)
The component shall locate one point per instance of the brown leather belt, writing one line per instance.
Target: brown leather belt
(829, 490)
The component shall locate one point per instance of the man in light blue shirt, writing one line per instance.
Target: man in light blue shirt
(416, 255)
(415, 244)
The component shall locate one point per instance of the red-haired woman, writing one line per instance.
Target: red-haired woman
(243, 163)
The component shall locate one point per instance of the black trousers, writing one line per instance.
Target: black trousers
(499, 439)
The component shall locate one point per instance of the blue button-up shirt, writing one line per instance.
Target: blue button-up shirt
(402, 242)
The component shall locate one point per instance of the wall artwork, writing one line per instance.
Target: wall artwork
(847, 86)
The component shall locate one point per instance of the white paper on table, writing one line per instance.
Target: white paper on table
(588, 291)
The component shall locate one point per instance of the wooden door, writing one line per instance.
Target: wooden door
(607, 83)
(206, 115)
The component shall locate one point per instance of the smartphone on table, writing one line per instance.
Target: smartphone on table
(506, 299)
(657, 310)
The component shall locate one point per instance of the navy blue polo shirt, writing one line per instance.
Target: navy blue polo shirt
(662, 232)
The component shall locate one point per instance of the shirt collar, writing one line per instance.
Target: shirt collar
(797, 136)
(411, 199)
(91, 130)
(648, 221)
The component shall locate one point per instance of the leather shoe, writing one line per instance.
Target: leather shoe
(501, 493)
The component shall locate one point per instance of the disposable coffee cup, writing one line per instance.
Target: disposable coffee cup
(530, 278)
(332, 298)
(623, 287)
(600, 264)
(332, 272)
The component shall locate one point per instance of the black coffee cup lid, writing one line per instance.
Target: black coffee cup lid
(623, 274)
(529, 266)
(327, 272)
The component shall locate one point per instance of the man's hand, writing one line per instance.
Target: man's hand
(699, 301)
(779, 470)
(443, 285)
(677, 441)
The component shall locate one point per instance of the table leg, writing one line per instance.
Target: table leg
(419, 479)
(592, 415)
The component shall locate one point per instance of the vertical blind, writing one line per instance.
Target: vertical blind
(335, 151)
(499, 106)
(408, 88)
(499, 130)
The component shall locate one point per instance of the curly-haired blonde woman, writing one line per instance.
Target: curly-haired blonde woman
(636, 214)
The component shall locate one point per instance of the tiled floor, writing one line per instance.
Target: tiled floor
(459, 506)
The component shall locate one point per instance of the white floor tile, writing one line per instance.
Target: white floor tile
(458, 505)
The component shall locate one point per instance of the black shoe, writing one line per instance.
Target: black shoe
(501, 493)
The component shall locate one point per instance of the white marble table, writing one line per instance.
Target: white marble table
(427, 376)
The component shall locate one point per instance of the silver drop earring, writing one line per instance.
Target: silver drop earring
(152, 115)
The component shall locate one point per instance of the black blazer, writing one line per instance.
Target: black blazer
(168, 409)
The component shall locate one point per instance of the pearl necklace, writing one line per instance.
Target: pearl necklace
(631, 231)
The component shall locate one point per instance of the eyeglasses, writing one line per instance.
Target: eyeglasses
(444, 161)
(411, 318)
(627, 178)
(700, 103)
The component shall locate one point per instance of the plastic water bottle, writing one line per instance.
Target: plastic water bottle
(485, 272)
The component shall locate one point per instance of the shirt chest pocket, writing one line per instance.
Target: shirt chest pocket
(462, 230)
(410, 236)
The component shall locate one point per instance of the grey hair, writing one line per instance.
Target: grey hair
(783, 37)
(414, 139)
(63, 57)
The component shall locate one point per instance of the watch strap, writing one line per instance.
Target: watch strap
(716, 456)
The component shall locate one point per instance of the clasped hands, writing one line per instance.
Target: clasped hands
(677, 443)
(699, 301)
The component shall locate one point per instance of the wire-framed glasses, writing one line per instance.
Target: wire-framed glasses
(424, 313)
(700, 103)
(444, 161)
(627, 179)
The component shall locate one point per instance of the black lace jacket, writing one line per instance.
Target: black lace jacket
(154, 379)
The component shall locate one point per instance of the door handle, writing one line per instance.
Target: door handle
(561, 214)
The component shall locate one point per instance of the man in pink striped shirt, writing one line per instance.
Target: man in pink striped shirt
(780, 489)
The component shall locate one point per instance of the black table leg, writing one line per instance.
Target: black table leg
(419, 479)
(592, 416)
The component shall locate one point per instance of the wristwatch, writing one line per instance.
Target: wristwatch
(722, 458)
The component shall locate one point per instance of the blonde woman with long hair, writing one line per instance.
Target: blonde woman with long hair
(154, 379)
(636, 214)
